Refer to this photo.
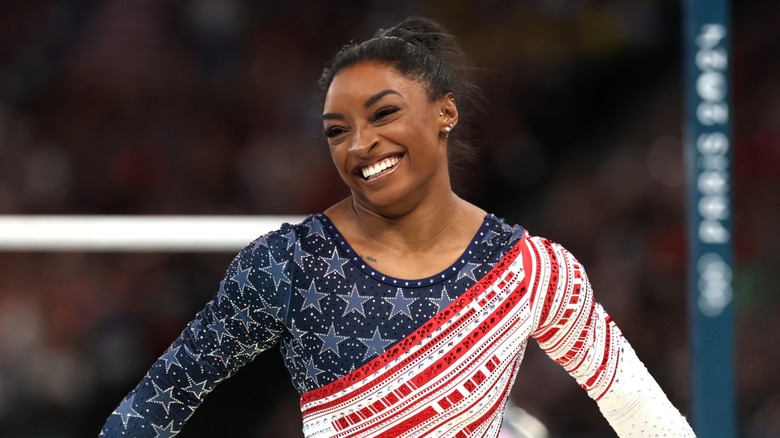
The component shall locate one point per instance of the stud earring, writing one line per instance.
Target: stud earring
(447, 129)
(441, 113)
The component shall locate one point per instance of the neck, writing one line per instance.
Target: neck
(419, 229)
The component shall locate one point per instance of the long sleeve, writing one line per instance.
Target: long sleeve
(578, 334)
(244, 319)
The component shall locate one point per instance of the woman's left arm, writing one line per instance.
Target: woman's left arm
(576, 332)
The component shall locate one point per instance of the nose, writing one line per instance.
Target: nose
(363, 141)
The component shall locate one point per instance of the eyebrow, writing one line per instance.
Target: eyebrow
(370, 101)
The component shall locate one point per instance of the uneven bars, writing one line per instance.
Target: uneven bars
(134, 233)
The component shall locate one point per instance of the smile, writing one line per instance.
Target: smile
(380, 167)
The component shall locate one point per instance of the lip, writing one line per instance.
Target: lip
(357, 170)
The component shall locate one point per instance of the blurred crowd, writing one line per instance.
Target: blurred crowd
(193, 107)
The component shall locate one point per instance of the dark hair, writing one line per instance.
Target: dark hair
(421, 49)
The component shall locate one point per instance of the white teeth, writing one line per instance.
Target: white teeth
(374, 169)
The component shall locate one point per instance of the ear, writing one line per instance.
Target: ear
(448, 111)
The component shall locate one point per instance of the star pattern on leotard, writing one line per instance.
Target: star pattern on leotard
(355, 302)
(222, 294)
(195, 329)
(442, 301)
(296, 332)
(312, 297)
(376, 344)
(299, 255)
(220, 329)
(242, 278)
(198, 389)
(516, 232)
(311, 370)
(488, 237)
(330, 341)
(400, 303)
(305, 289)
(165, 432)
(291, 238)
(243, 316)
(315, 228)
(125, 410)
(192, 355)
(260, 242)
(222, 354)
(170, 358)
(163, 397)
(276, 271)
(468, 271)
(249, 350)
(268, 308)
(288, 348)
(335, 264)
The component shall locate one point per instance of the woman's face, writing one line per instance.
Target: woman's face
(386, 137)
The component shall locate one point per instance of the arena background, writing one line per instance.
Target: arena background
(207, 107)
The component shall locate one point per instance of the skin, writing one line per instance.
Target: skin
(406, 223)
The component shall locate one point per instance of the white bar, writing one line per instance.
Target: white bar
(135, 233)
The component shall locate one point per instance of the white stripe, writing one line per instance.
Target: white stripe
(135, 233)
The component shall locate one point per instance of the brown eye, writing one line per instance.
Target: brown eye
(385, 111)
(333, 132)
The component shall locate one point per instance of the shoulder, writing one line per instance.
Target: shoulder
(280, 243)
(510, 234)
(540, 248)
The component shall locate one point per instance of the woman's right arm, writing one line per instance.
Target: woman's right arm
(244, 319)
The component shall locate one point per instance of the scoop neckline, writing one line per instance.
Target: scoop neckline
(443, 275)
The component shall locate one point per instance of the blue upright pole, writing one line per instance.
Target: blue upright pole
(708, 153)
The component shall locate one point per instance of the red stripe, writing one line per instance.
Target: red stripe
(563, 320)
(493, 361)
(575, 295)
(588, 323)
(391, 371)
(496, 401)
(549, 298)
(409, 423)
(378, 406)
(497, 317)
(612, 380)
(604, 358)
(455, 396)
(390, 399)
(553, 277)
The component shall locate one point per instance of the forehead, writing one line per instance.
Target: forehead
(367, 78)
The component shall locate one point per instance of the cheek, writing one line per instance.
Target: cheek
(339, 156)
(425, 136)
(414, 132)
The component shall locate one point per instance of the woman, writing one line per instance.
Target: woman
(402, 310)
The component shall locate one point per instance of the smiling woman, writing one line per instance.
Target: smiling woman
(402, 310)
(388, 142)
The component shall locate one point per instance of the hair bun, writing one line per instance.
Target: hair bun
(419, 31)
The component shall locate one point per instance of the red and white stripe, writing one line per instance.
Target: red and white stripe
(451, 377)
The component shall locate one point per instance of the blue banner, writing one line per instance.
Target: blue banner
(708, 148)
